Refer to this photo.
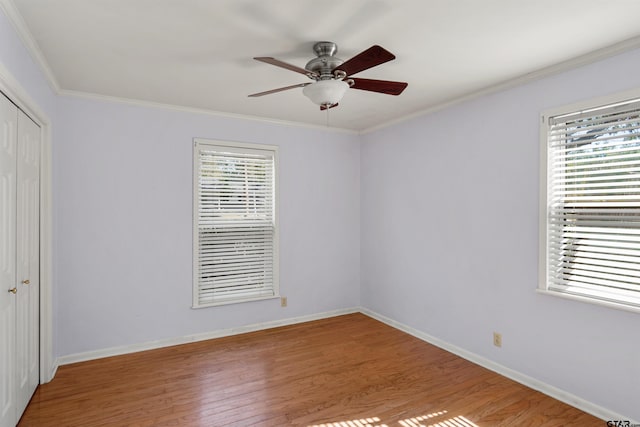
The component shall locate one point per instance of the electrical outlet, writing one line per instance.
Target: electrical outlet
(497, 339)
(283, 301)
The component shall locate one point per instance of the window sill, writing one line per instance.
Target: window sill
(610, 304)
(237, 301)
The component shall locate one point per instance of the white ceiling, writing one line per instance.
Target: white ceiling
(198, 53)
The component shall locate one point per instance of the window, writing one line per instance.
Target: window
(235, 234)
(590, 238)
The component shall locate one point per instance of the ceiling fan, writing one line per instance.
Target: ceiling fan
(332, 76)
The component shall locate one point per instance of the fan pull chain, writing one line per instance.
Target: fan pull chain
(328, 115)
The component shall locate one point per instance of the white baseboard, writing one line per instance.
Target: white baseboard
(549, 390)
(519, 377)
(54, 369)
(150, 345)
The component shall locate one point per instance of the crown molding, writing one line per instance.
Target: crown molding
(20, 26)
(193, 110)
(11, 11)
(27, 38)
(570, 64)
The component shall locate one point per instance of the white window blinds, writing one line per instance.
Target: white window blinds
(235, 239)
(593, 203)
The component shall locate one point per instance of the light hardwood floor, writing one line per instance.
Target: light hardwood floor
(346, 371)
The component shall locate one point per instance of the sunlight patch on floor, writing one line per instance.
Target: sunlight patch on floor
(417, 421)
(458, 421)
(421, 421)
(363, 422)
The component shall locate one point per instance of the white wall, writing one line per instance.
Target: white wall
(449, 239)
(122, 216)
(456, 261)
(124, 221)
(15, 59)
(23, 80)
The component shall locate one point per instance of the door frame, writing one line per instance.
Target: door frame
(16, 93)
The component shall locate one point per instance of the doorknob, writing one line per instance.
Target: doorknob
(26, 282)
(13, 290)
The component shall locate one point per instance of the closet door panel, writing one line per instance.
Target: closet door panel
(28, 256)
(8, 129)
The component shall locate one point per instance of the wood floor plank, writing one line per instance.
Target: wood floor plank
(348, 371)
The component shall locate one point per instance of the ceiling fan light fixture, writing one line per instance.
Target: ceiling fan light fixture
(325, 92)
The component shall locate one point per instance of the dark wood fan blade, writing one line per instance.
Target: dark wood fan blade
(371, 57)
(281, 64)
(323, 107)
(382, 86)
(253, 95)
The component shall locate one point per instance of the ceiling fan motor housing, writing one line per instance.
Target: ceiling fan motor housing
(326, 62)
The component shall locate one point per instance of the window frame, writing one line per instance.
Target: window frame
(543, 258)
(237, 147)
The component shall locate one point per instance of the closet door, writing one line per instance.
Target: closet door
(19, 261)
(28, 260)
(8, 291)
